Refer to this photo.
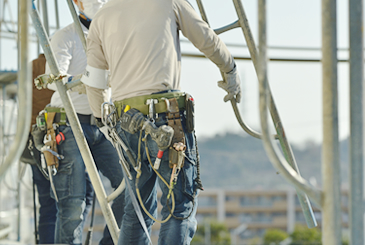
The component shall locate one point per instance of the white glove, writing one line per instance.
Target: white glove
(232, 85)
(81, 89)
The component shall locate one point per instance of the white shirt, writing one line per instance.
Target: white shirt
(71, 59)
(138, 41)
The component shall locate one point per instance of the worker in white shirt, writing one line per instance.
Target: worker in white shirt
(138, 41)
(71, 183)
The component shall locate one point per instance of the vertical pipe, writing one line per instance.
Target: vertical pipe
(19, 200)
(18, 186)
(1, 20)
(45, 16)
(76, 128)
(57, 15)
(24, 93)
(38, 44)
(287, 151)
(356, 195)
(77, 24)
(331, 212)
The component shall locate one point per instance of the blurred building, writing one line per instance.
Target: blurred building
(247, 214)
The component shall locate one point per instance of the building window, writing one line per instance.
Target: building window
(207, 201)
(230, 198)
(245, 218)
(247, 201)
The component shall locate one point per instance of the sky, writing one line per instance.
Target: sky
(296, 86)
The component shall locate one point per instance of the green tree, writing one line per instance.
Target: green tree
(302, 235)
(274, 236)
(219, 234)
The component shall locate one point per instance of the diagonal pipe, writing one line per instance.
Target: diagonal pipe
(292, 172)
(272, 150)
(288, 153)
(76, 127)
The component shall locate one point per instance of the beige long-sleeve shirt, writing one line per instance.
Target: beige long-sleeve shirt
(138, 41)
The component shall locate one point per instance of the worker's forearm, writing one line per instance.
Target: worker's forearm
(95, 97)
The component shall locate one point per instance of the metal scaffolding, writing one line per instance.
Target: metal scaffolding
(327, 198)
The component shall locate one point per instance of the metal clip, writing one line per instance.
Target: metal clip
(42, 80)
(109, 114)
(168, 106)
(151, 109)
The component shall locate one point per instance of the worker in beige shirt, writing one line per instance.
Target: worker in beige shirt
(138, 42)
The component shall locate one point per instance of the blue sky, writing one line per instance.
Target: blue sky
(296, 87)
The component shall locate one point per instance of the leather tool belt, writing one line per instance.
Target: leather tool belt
(50, 142)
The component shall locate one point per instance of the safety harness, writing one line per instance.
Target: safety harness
(132, 114)
(47, 137)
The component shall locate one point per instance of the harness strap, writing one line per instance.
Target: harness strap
(174, 121)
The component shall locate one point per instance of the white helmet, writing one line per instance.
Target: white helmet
(91, 7)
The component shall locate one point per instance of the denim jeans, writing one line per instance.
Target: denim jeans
(47, 209)
(174, 231)
(71, 183)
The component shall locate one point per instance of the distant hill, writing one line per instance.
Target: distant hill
(240, 162)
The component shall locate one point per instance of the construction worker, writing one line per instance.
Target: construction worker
(48, 209)
(71, 186)
(138, 41)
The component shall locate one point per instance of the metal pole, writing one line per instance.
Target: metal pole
(45, 16)
(24, 93)
(57, 14)
(1, 21)
(331, 212)
(3, 152)
(298, 183)
(76, 128)
(356, 195)
(75, 17)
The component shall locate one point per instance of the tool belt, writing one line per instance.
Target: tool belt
(60, 117)
(171, 104)
(139, 102)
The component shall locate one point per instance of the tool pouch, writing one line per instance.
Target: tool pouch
(50, 142)
(189, 109)
(176, 157)
(174, 121)
(132, 121)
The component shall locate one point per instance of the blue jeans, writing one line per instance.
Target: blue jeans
(174, 231)
(71, 183)
(47, 209)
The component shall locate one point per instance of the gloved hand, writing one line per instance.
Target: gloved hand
(232, 85)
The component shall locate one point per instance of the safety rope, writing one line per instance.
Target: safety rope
(159, 175)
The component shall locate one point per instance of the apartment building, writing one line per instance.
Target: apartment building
(249, 214)
(246, 213)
